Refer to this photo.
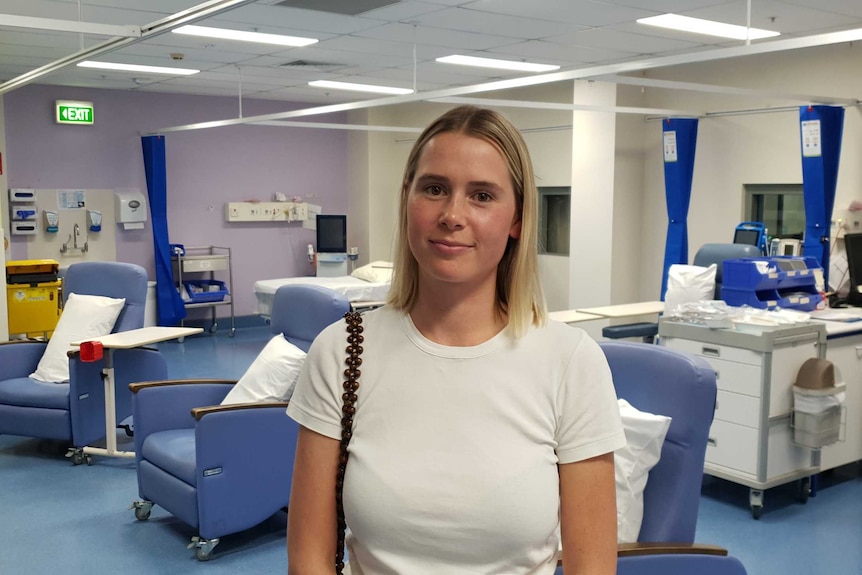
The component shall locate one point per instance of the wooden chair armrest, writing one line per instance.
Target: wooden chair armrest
(136, 387)
(199, 412)
(660, 548)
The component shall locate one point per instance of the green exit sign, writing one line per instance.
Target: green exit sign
(69, 112)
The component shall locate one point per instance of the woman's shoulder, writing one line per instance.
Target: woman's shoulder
(558, 334)
(334, 335)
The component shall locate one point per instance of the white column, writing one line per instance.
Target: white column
(4, 318)
(593, 157)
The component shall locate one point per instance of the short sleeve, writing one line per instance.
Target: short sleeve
(588, 421)
(316, 401)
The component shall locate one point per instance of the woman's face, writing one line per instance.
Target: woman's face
(461, 210)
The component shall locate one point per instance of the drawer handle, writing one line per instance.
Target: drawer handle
(711, 351)
(712, 441)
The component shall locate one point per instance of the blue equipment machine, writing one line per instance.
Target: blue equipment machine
(752, 233)
(769, 282)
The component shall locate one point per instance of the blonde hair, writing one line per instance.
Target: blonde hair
(519, 290)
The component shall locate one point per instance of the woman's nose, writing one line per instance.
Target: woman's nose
(453, 212)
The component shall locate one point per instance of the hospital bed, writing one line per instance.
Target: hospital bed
(366, 287)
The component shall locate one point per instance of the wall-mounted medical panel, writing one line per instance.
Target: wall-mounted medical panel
(266, 211)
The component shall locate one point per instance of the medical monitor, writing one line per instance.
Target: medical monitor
(750, 237)
(853, 247)
(331, 234)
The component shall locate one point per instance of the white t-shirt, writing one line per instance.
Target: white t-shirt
(453, 460)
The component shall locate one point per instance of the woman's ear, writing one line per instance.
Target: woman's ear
(515, 230)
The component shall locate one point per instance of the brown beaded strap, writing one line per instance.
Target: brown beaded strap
(351, 374)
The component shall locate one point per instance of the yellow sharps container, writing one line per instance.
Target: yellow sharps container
(33, 293)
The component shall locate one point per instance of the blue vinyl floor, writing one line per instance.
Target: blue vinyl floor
(56, 517)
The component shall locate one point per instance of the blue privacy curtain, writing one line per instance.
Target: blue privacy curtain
(170, 304)
(679, 138)
(820, 130)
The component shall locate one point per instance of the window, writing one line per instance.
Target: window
(779, 206)
(554, 208)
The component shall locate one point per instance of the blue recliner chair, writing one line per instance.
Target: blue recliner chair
(75, 411)
(668, 382)
(223, 469)
(716, 254)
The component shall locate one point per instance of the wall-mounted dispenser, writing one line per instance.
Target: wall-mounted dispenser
(94, 220)
(131, 210)
(23, 212)
(52, 221)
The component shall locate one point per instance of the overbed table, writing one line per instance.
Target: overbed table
(572, 316)
(626, 309)
(126, 340)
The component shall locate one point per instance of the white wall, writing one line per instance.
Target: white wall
(746, 149)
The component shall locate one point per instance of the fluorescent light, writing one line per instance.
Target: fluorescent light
(136, 68)
(494, 63)
(359, 87)
(708, 27)
(258, 37)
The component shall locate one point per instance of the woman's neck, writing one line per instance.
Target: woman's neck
(457, 319)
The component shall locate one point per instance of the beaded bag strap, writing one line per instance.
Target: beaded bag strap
(351, 375)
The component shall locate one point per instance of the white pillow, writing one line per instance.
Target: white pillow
(271, 377)
(645, 433)
(84, 317)
(687, 284)
(376, 272)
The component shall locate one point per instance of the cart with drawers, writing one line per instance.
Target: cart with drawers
(751, 440)
(197, 271)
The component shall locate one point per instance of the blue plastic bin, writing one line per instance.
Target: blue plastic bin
(200, 291)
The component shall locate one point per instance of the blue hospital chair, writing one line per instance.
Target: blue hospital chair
(668, 382)
(224, 469)
(75, 411)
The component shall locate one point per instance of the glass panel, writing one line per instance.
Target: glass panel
(779, 207)
(554, 207)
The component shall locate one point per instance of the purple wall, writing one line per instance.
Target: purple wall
(206, 169)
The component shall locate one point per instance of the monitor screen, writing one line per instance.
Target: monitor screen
(331, 234)
(853, 247)
(750, 237)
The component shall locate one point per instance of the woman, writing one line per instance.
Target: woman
(482, 434)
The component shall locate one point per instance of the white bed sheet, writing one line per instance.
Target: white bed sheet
(354, 288)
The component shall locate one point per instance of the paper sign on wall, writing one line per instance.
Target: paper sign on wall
(71, 199)
(811, 139)
(670, 146)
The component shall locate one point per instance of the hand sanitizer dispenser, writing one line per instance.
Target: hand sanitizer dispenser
(94, 220)
(52, 221)
(131, 210)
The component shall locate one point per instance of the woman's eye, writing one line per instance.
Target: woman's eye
(484, 197)
(434, 190)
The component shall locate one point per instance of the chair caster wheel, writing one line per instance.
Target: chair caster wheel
(78, 456)
(203, 547)
(142, 509)
(756, 510)
(202, 555)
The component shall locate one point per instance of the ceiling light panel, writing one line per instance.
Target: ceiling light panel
(371, 88)
(117, 67)
(706, 27)
(242, 36)
(496, 63)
